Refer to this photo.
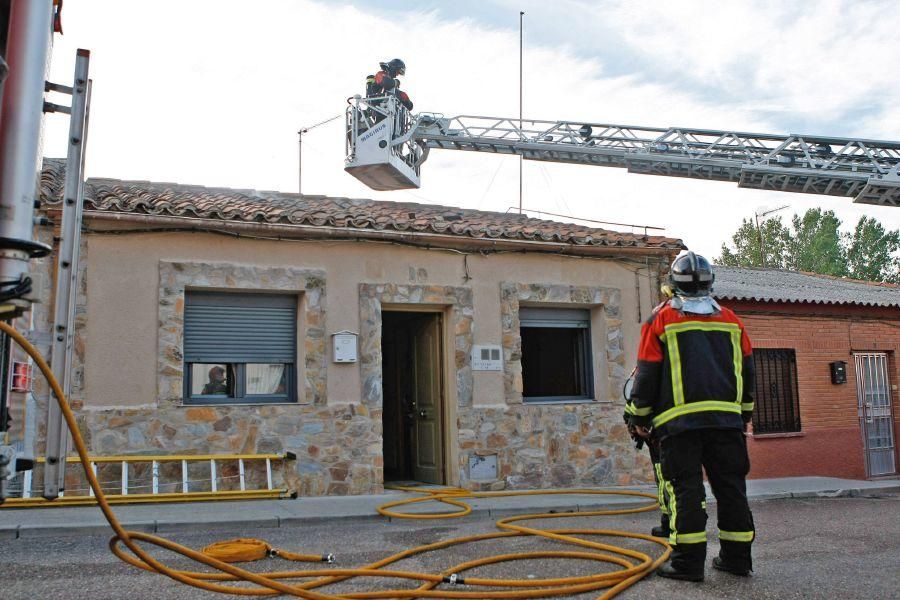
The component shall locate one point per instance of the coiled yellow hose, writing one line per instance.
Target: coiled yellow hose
(634, 564)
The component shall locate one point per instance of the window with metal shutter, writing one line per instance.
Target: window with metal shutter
(239, 347)
(225, 327)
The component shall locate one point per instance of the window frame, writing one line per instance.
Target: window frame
(537, 317)
(238, 389)
(780, 363)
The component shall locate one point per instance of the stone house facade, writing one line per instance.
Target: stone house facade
(810, 420)
(418, 290)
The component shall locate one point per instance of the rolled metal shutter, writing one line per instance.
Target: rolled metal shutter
(224, 327)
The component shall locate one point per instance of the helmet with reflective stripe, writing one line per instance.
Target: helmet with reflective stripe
(691, 275)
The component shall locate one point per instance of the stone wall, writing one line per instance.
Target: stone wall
(543, 446)
(540, 445)
(537, 445)
(339, 446)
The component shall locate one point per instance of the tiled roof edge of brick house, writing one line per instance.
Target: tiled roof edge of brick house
(760, 284)
(143, 200)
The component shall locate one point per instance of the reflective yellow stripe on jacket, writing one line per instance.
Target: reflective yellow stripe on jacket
(695, 407)
(670, 338)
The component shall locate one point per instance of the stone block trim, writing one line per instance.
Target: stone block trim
(373, 296)
(514, 294)
(174, 277)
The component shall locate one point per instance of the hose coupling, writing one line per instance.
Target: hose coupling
(271, 552)
(454, 579)
(328, 558)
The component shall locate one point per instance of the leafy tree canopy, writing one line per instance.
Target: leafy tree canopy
(814, 243)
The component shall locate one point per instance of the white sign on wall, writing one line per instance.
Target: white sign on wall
(487, 358)
(343, 344)
(483, 467)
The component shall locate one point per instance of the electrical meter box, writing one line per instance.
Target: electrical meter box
(839, 372)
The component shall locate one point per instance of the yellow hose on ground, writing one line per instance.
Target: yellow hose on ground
(634, 564)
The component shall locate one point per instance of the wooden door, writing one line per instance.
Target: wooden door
(428, 454)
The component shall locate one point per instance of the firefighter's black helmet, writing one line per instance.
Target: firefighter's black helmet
(691, 275)
(397, 66)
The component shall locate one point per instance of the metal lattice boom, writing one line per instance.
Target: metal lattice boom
(866, 170)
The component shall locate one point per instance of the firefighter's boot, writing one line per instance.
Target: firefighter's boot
(686, 562)
(662, 530)
(731, 567)
(670, 572)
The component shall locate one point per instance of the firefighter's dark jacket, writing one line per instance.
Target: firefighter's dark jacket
(693, 372)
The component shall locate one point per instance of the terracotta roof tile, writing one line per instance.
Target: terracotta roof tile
(178, 200)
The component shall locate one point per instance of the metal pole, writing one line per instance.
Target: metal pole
(21, 118)
(521, 47)
(300, 161)
(762, 249)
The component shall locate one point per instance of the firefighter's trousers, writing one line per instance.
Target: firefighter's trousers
(662, 492)
(722, 453)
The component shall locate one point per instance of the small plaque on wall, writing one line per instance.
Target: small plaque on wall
(483, 467)
(343, 344)
(487, 358)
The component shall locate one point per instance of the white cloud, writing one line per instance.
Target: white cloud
(213, 93)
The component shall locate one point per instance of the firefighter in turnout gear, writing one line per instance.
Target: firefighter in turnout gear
(385, 82)
(694, 392)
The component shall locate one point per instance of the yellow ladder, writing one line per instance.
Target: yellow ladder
(157, 482)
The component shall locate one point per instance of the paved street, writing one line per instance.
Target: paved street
(807, 548)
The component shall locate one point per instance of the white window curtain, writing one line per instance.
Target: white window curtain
(264, 379)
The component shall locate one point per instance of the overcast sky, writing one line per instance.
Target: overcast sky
(212, 92)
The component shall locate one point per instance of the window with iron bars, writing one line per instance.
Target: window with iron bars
(777, 408)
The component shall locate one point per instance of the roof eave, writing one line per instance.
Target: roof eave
(423, 239)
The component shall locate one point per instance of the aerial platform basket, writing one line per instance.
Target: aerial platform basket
(381, 151)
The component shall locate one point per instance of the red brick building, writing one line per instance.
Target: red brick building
(826, 354)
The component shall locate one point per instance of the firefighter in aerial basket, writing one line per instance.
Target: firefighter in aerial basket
(386, 83)
(693, 391)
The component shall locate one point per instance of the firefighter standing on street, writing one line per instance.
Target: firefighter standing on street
(694, 390)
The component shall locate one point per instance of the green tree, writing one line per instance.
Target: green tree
(746, 240)
(872, 252)
(815, 244)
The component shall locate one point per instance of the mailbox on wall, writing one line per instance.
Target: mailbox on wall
(839, 371)
(343, 344)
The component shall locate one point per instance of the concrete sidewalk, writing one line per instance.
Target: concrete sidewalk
(206, 516)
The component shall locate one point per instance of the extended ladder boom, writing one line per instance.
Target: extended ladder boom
(866, 170)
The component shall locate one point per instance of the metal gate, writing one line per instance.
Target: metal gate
(874, 396)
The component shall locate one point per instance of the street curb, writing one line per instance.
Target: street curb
(294, 520)
(74, 530)
(215, 525)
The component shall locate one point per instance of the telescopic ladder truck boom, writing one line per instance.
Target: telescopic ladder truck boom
(387, 145)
